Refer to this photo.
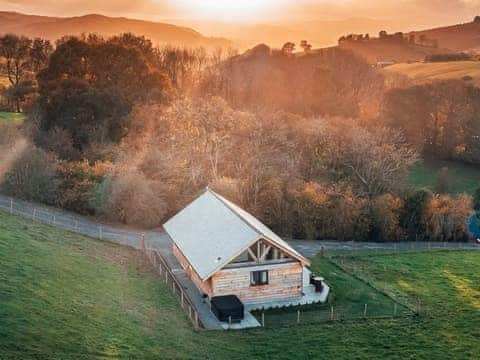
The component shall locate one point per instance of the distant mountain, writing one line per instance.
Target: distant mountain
(319, 33)
(53, 28)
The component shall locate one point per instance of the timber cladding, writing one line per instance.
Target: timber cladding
(284, 280)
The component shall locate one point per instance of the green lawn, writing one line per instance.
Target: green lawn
(12, 117)
(68, 296)
(463, 177)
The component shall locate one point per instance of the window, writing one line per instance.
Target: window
(259, 278)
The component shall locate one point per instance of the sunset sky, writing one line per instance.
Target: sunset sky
(424, 11)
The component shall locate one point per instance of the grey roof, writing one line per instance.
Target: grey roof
(211, 231)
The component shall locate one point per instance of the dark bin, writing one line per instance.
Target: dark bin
(227, 306)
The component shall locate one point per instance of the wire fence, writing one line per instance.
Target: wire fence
(78, 224)
(148, 242)
(166, 274)
(331, 313)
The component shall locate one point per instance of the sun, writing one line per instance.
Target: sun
(229, 10)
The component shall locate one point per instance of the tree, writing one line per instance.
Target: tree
(414, 214)
(447, 218)
(32, 177)
(375, 161)
(305, 46)
(288, 48)
(90, 86)
(16, 50)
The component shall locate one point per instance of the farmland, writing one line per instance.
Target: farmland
(461, 177)
(425, 72)
(68, 296)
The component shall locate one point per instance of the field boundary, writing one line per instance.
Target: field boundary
(165, 273)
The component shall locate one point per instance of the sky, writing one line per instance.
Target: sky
(265, 11)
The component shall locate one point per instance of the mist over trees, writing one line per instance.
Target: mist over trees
(318, 145)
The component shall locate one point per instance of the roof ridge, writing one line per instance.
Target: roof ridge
(225, 202)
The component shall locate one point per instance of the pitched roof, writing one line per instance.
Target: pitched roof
(211, 231)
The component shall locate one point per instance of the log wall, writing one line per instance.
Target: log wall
(284, 280)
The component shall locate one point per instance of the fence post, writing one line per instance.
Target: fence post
(365, 311)
(54, 219)
(196, 320)
(190, 311)
(100, 232)
(181, 297)
(166, 276)
(331, 312)
(263, 318)
(298, 316)
(142, 242)
(34, 213)
(11, 206)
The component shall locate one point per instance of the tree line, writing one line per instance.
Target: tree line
(318, 146)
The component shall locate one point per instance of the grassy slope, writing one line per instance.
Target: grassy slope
(463, 177)
(424, 72)
(63, 295)
(11, 117)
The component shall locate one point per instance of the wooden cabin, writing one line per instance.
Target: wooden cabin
(227, 251)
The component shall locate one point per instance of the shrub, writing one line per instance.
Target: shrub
(134, 200)
(32, 177)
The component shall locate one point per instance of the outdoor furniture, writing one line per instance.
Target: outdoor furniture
(227, 308)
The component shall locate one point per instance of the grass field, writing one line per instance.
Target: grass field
(462, 177)
(424, 72)
(12, 117)
(67, 296)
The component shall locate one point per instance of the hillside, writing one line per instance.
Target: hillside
(425, 72)
(67, 296)
(53, 28)
(377, 50)
(461, 37)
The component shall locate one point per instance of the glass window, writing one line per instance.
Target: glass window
(259, 278)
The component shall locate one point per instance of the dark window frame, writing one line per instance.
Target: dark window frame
(256, 278)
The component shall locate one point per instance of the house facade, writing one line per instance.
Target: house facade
(227, 251)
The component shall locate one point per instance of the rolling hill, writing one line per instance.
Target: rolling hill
(460, 37)
(452, 70)
(450, 39)
(53, 28)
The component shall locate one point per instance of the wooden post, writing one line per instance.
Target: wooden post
(190, 311)
(181, 297)
(34, 213)
(331, 312)
(196, 320)
(365, 311)
(54, 219)
(173, 287)
(142, 242)
(229, 320)
(11, 206)
(166, 277)
(100, 232)
(263, 318)
(298, 316)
